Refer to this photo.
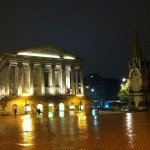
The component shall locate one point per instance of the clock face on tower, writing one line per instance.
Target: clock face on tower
(135, 81)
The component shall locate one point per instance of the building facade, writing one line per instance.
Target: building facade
(40, 71)
(139, 77)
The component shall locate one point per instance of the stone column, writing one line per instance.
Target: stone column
(49, 80)
(81, 80)
(12, 80)
(60, 81)
(7, 79)
(3, 82)
(72, 80)
(68, 80)
(26, 78)
(53, 79)
(16, 80)
(77, 82)
(42, 80)
(19, 79)
(31, 90)
(63, 79)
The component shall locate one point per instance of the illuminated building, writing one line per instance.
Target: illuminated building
(40, 71)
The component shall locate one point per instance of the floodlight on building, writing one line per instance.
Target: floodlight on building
(25, 94)
(68, 57)
(37, 55)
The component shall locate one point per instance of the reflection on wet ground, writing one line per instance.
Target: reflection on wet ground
(76, 131)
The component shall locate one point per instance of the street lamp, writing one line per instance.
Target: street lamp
(124, 80)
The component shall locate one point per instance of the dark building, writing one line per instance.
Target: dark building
(100, 89)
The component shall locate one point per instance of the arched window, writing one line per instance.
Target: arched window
(51, 107)
(71, 106)
(40, 107)
(61, 107)
(27, 108)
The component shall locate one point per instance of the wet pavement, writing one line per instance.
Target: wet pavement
(76, 131)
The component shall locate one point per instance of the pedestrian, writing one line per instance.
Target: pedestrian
(15, 111)
(38, 111)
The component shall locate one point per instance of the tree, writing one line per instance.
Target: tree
(124, 91)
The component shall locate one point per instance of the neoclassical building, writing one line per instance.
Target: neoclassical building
(139, 77)
(43, 71)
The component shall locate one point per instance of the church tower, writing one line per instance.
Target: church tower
(139, 92)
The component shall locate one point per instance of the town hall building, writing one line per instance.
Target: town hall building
(40, 76)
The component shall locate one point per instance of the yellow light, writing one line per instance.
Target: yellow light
(68, 57)
(61, 113)
(71, 107)
(19, 90)
(129, 128)
(27, 126)
(80, 95)
(27, 108)
(25, 94)
(31, 91)
(37, 55)
(71, 113)
(50, 114)
(50, 104)
(82, 107)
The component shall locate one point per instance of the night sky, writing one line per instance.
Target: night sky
(100, 31)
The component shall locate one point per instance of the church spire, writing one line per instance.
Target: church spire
(136, 50)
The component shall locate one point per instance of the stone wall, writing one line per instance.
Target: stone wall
(7, 104)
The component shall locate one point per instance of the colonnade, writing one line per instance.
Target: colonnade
(39, 79)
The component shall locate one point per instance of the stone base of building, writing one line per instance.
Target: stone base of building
(139, 102)
(22, 105)
(141, 106)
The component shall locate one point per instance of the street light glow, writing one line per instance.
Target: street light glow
(92, 90)
(124, 79)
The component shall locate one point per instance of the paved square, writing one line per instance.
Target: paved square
(76, 131)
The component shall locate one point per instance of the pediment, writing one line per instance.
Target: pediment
(45, 51)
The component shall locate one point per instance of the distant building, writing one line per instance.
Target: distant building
(139, 77)
(101, 89)
(43, 74)
(112, 88)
